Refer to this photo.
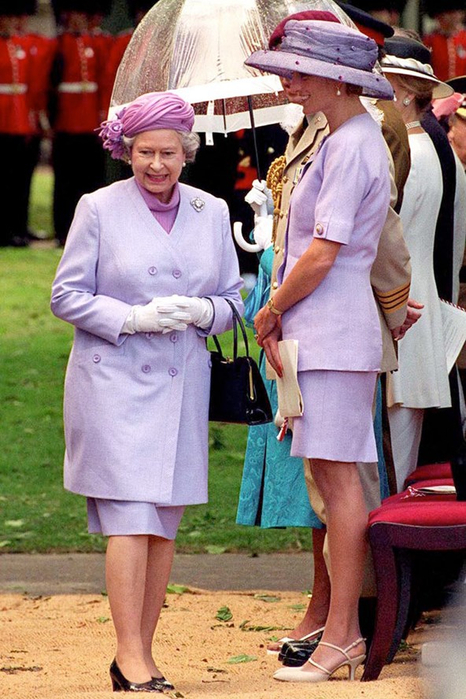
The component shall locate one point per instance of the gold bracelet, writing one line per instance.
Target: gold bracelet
(271, 306)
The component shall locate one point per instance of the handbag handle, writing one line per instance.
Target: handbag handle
(237, 320)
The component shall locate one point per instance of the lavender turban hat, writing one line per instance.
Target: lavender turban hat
(154, 110)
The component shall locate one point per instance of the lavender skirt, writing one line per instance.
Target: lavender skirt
(337, 424)
(123, 518)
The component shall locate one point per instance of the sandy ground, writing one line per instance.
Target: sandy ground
(61, 647)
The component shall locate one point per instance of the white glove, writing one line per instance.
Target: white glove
(196, 310)
(263, 226)
(151, 317)
(257, 196)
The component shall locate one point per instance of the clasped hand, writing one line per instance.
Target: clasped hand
(413, 314)
(268, 333)
(159, 315)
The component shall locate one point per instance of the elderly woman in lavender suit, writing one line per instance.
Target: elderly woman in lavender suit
(144, 278)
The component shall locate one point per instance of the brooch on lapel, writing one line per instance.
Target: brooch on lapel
(197, 203)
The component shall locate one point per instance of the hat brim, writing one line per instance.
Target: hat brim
(285, 63)
(440, 90)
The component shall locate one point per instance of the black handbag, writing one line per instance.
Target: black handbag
(237, 391)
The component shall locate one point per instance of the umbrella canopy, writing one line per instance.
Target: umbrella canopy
(197, 48)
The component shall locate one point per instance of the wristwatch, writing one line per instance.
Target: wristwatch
(271, 306)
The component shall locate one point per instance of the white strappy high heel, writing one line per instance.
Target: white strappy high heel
(321, 673)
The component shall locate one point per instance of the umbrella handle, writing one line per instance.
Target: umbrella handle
(238, 236)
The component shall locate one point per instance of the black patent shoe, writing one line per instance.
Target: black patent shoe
(296, 653)
(164, 684)
(121, 684)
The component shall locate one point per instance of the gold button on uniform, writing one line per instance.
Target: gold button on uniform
(275, 285)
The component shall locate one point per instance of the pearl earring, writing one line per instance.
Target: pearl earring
(338, 91)
(406, 101)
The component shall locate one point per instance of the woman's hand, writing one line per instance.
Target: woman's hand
(270, 345)
(412, 316)
(264, 323)
(198, 311)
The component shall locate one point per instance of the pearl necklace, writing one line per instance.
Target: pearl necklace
(413, 124)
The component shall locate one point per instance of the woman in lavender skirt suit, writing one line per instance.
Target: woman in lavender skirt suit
(325, 302)
(144, 278)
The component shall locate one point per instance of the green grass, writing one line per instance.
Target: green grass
(36, 513)
(40, 212)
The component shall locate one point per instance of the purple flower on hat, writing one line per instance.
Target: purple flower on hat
(111, 133)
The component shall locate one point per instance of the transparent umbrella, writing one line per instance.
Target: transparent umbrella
(197, 48)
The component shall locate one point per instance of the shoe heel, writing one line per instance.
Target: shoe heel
(116, 685)
(354, 664)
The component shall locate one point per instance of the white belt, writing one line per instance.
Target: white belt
(13, 89)
(75, 88)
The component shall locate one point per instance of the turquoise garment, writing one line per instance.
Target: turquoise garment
(259, 294)
(273, 490)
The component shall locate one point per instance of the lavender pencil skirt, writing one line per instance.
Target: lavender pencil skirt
(337, 423)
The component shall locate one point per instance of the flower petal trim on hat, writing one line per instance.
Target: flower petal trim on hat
(111, 133)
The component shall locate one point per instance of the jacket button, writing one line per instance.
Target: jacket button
(152, 270)
(176, 273)
(96, 358)
(172, 371)
(146, 368)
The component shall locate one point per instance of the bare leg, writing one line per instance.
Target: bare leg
(159, 563)
(317, 609)
(340, 487)
(126, 565)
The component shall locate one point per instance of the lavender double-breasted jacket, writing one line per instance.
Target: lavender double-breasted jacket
(136, 406)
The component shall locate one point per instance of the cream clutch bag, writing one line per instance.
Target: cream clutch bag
(290, 400)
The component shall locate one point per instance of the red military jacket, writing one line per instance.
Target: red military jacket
(14, 80)
(448, 54)
(79, 75)
(42, 51)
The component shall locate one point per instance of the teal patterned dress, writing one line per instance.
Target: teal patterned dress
(273, 490)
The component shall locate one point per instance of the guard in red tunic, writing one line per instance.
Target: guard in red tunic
(76, 111)
(15, 124)
(448, 41)
(40, 51)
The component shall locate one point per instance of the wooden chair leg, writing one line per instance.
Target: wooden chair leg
(387, 602)
(403, 558)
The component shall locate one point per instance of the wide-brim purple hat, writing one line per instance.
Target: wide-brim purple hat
(327, 50)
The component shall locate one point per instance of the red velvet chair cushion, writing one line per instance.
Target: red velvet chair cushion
(426, 511)
(429, 471)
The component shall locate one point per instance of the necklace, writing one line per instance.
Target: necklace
(413, 124)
